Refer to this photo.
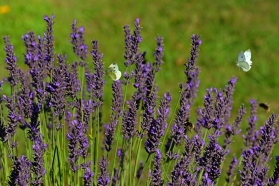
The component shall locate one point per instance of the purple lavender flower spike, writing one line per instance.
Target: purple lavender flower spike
(131, 47)
(158, 54)
(232, 167)
(116, 108)
(57, 88)
(49, 43)
(88, 174)
(149, 104)
(206, 115)
(158, 126)
(104, 178)
(129, 120)
(95, 82)
(251, 135)
(77, 40)
(248, 163)
(181, 175)
(275, 177)
(38, 169)
(11, 61)
(73, 137)
(188, 93)
(31, 49)
(156, 173)
(21, 173)
(212, 158)
(228, 93)
(268, 137)
(233, 129)
(72, 84)
(26, 96)
(206, 180)
(13, 119)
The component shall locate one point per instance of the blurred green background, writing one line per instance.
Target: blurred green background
(225, 27)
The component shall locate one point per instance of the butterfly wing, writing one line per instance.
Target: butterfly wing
(111, 74)
(244, 65)
(247, 55)
(117, 75)
(114, 66)
(241, 57)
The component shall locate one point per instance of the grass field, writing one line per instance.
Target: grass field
(225, 27)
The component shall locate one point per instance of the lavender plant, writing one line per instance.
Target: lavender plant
(55, 112)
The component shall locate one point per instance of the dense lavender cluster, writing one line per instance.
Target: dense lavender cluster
(57, 118)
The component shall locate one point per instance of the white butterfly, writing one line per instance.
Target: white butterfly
(244, 60)
(113, 72)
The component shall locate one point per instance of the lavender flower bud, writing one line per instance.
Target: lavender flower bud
(11, 62)
(95, 82)
(234, 129)
(49, 43)
(88, 174)
(156, 173)
(158, 126)
(38, 167)
(231, 170)
(104, 178)
(251, 137)
(129, 120)
(21, 172)
(158, 54)
(77, 39)
(275, 177)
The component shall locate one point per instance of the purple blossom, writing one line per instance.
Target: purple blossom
(181, 175)
(251, 136)
(13, 118)
(231, 170)
(26, 96)
(72, 84)
(39, 148)
(158, 125)
(156, 173)
(268, 136)
(149, 104)
(275, 177)
(31, 56)
(21, 173)
(77, 40)
(95, 82)
(188, 93)
(73, 137)
(49, 43)
(57, 88)
(11, 61)
(104, 178)
(228, 92)
(88, 174)
(212, 158)
(117, 103)
(132, 43)
(158, 54)
(233, 129)
(249, 163)
(206, 115)
(129, 120)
